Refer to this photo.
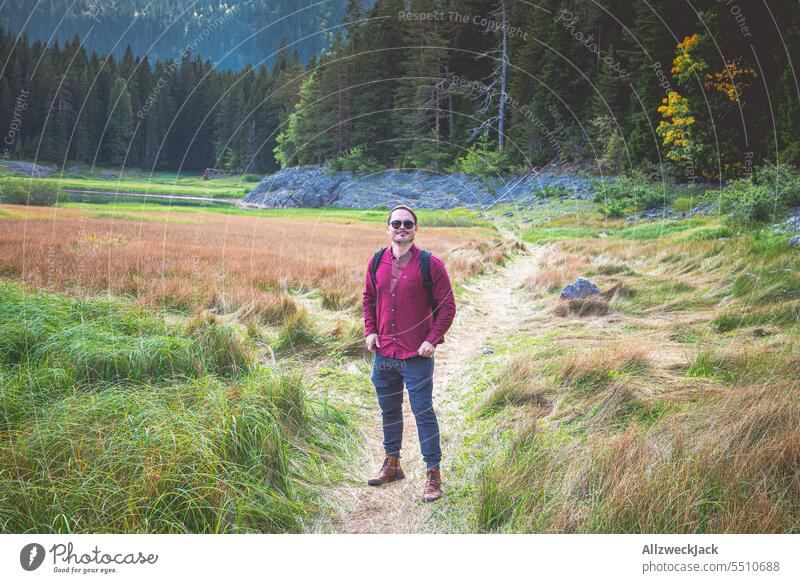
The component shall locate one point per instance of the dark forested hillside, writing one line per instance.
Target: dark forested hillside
(706, 90)
(64, 105)
(231, 33)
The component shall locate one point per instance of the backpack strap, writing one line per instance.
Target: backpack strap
(425, 266)
(373, 268)
(427, 281)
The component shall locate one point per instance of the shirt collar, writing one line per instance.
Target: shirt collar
(411, 251)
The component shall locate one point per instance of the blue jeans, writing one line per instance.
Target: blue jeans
(388, 375)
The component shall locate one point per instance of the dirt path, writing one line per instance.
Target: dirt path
(486, 313)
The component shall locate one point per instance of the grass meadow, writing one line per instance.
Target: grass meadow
(113, 420)
(221, 262)
(670, 404)
(178, 369)
(167, 183)
(166, 369)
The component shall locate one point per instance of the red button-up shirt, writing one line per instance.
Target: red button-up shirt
(399, 311)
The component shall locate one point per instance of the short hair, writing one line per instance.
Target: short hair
(403, 207)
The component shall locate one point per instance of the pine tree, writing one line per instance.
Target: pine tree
(421, 94)
(120, 123)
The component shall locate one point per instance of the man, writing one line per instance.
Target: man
(404, 321)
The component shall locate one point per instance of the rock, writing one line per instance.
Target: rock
(310, 186)
(109, 175)
(28, 168)
(79, 169)
(762, 331)
(795, 241)
(789, 227)
(582, 288)
(488, 351)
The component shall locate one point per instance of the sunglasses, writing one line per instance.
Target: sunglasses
(407, 224)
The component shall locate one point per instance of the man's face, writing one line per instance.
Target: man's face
(403, 232)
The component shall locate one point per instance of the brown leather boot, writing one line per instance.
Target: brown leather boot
(389, 472)
(433, 485)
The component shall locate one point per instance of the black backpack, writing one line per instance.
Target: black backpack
(425, 267)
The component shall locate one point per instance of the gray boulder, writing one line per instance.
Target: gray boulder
(582, 288)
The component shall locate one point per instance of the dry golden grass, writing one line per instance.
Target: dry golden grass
(728, 465)
(558, 268)
(225, 263)
(732, 466)
(675, 420)
(590, 306)
(600, 365)
(519, 382)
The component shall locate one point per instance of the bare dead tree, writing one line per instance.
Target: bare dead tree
(497, 79)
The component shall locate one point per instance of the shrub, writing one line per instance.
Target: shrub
(683, 203)
(482, 160)
(551, 191)
(27, 192)
(614, 209)
(630, 194)
(761, 197)
(742, 201)
(354, 160)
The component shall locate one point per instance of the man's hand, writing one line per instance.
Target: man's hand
(427, 349)
(372, 342)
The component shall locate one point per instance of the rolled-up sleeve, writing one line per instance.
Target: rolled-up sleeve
(442, 293)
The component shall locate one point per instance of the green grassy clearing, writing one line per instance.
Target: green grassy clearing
(158, 183)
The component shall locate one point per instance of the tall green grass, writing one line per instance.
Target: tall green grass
(113, 421)
(108, 341)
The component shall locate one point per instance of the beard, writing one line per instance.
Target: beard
(404, 237)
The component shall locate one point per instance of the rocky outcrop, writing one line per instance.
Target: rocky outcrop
(310, 186)
(27, 168)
